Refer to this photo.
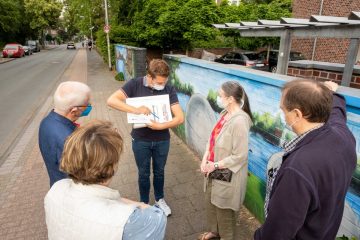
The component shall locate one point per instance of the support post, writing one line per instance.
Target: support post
(284, 52)
(350, 61)
(107, 34)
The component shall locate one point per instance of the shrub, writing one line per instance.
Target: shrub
(120, 76)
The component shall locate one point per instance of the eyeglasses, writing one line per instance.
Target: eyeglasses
(89, 105)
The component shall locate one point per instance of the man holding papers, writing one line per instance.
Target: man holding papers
(153, 140)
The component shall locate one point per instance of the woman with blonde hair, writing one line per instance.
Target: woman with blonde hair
(225, 162)
(83, 206)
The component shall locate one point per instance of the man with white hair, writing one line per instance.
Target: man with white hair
(71, 101)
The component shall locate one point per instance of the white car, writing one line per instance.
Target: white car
(70, 45)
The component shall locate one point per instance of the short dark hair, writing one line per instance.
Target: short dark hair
(158, 67)
(91, 154)
(311, 97)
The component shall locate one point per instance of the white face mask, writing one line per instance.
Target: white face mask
(220, 102)
(290, 126)
(158, 87)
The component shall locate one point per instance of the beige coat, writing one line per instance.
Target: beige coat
(231, 147)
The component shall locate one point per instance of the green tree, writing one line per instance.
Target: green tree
(10, 16)
(42, 14)
(174, 24)
(11, 21)
(253, 11)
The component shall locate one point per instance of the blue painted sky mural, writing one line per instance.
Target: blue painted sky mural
(264, 99)
(121, 55)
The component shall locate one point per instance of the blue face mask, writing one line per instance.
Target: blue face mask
(86, 111)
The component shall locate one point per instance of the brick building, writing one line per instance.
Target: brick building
(323, 49)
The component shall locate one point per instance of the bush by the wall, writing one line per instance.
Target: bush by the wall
(120, 76)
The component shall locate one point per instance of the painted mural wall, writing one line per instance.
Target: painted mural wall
(197, 82)
(130, 61)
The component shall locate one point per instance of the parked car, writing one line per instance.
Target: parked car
(27, 50)
(13, 50)
(70, 45)
(248, 59)
(259, 61)
(273, 58)
(34, 45)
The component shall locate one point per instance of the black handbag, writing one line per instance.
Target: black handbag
(224, 174)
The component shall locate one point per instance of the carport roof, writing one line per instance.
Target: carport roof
(315, 26)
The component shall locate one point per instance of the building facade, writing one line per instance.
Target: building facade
(323, 49)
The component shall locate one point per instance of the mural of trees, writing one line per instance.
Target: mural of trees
(211, 97)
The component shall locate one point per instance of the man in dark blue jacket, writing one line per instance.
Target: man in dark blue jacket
(307, 197)
(71, 101)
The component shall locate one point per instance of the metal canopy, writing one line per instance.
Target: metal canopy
(302, 21)
(354, 16)
(316, 26)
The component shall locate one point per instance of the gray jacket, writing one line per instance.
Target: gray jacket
(231, 148)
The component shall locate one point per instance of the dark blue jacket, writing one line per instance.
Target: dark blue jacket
(307, 198)
(54, 129)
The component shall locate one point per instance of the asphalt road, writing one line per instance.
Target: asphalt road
(25, 83)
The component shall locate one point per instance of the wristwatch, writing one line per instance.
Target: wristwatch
(216, 165)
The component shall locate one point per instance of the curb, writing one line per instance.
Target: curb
(5, 60)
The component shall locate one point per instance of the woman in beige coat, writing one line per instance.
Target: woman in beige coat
(227, 148)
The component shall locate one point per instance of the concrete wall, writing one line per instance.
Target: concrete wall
(130, 61)
(197, 82)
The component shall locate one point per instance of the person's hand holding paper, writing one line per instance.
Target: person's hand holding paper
(154, 111)
(143, 110)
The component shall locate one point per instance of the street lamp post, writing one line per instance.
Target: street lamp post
(107, 34)
(91, 28)
(91, 35)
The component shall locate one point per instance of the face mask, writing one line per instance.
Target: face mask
(289, 126)
(86, 111)
(220, 102)
(241, 103)
(158, 87)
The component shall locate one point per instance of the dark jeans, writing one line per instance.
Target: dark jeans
(143, 152)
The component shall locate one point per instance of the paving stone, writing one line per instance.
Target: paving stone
(24, 180)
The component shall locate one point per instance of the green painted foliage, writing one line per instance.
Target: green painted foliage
(346, 238)
(211, 97)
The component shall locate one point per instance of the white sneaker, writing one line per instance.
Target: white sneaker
(163, 206)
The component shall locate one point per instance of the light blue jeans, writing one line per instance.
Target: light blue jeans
(148, 223)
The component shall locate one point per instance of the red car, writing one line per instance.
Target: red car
(13, 50)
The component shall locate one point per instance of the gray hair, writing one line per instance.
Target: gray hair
(70, 94)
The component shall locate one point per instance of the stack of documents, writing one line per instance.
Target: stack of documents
(159, 106)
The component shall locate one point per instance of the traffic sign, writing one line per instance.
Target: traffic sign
(107, 28)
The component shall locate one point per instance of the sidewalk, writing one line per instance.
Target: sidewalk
(24, 181)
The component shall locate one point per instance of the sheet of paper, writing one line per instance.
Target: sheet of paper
(159, 106)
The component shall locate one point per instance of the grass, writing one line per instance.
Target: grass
(255, 195)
